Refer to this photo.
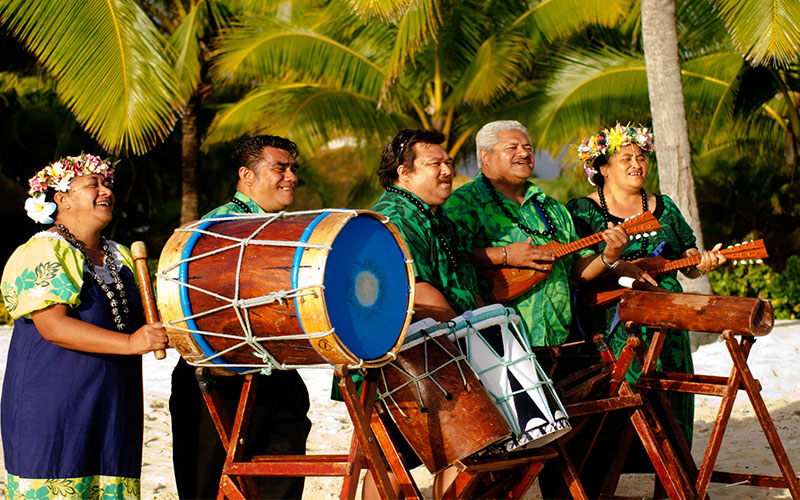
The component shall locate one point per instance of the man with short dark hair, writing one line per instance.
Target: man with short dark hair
(278, 425)
(417, 174)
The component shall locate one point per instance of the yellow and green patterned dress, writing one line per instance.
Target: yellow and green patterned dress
(71, 420)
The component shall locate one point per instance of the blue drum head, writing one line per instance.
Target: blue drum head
(366, 286)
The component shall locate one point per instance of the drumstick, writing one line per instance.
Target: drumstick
(139, 253)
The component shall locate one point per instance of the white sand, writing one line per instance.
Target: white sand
(744, 449)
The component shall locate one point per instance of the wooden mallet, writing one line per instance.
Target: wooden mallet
(139, 253)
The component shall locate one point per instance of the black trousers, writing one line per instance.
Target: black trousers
(278, 426)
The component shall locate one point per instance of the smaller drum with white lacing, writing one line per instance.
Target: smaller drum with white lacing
(496, 349)
(437, 402)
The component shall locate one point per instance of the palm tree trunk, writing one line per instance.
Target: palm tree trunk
(660, 41)
(189, 154)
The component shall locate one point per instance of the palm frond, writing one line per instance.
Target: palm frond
(109, 61)
(265, 49)
(388, 11)
(312, 113)
(710, 85)
(498, 65)
(766, 31)
(588, 90)
(413, 29)
(186, 42)
(551, 20)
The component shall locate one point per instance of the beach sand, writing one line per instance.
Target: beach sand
(773, 361)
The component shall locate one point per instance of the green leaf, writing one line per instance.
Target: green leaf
(110, 64)
(312, 114)
(767, 32)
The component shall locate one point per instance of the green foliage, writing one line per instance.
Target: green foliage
(766, 31)
(108, 59)
(5, 318)
(780, 288)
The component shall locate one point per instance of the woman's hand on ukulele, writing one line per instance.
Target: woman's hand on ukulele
(615, 238)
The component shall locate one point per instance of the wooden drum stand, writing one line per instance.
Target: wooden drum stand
(732, 317)
(504, 476)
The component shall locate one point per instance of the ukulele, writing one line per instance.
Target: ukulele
(604, 291)
(510, 282)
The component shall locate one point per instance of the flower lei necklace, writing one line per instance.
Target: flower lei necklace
(118, 309)
(642, 252)
(548, 222)
(448, 250)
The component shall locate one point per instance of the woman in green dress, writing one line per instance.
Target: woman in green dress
(615, 162)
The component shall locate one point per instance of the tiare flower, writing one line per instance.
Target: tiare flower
(40, 210)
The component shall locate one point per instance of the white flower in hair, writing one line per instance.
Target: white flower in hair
(40, 210)
(63, 184)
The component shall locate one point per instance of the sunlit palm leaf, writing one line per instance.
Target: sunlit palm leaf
(108, 59)
(550, 20)
(186, 42)
(766, 31)
(711, 79)
(313, 114)
(417, 24)
(386, 10)
(588, 90)
(592, 90)
(498, 65)
(265, 49)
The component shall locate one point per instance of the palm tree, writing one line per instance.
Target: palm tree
(109, 61)
(365, 73)
(660, 44)
(734, 110)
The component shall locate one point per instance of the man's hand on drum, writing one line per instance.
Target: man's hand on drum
(150, 337)
(525, 254)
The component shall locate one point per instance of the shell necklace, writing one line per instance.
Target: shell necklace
(119, 308)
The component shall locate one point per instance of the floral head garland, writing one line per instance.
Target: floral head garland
(609, 141)
(58, 175)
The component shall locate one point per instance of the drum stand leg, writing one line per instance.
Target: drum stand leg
(658, 447)
(236, 480)
(740, 378)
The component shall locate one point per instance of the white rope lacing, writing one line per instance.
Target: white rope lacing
(240, 305)
(416, 379)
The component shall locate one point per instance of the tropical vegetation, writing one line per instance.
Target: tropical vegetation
(341, 77)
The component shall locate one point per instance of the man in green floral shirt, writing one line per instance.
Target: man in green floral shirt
(505, 218)
(266, 173)
(417, 174)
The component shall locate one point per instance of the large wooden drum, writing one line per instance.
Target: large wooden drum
(258, 292)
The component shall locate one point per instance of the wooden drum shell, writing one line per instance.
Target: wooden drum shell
(264, 269)
(446, 429)
(697, 312)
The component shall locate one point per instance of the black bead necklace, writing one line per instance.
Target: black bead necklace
(448, 250)
(642, 252)
(118, 308)
(239, 203)
(548, 222)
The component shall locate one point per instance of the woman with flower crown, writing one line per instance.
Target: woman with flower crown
(71, 407)
(615, 163)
